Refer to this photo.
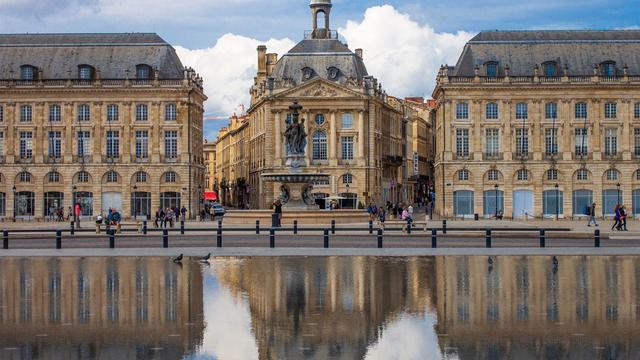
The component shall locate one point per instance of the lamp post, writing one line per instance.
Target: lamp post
(201, 196)
(495, 192)
(14, 203)
(348, 193)
(135, 195)
(618, 187)
(557, 201)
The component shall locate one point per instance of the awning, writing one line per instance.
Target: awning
(210, 195)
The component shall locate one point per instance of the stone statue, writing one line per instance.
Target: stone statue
(295, 134)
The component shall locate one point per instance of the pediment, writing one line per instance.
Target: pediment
(319, 88)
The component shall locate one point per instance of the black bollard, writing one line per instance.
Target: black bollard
(257, 227)
(370, 226)
(72, 228)
(165, 238)
(380, 245)
(409, 227)
(444, 226)
(326, 238)
(219, 234)
(488, 239)
(5, 239)
(596, 238)
(144, 227)
(58, 239)
(112, 239)
(295, 227)
(333, 227)
(434, 238)
(543, 241)
(181, 227)
(272, 238)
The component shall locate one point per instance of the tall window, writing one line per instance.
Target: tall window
(346, 143)
(462, 142)
(85, 72)
(610, 110)
(142, 112)
(608, 68)
(522, 111)
(581, 110)
(636, 142)
(551, 141)
(582, 142)
(84, 143)
(610, 142)
(84, 112)
(551, 110)
(26, 113)
(27, 72)
(492, 142)
(142, 144)
(522, 142)
(319, 145)
(347, 121)
(492, 69)
(550, 69)
(112, 112)
(462, 110)
(55, 144)
(171, 144)
(491, 111)
(636, 111)
(1, 145)
(113, 144)
(170, 112)
(1, 113)
(54, 113)
(26, 144)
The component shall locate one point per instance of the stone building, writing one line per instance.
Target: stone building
(355, 134)
(209, 150)
(232, 168)
(539, 124)
(106, 120)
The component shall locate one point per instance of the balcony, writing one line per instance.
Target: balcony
(169, 159)
(553, 156)
(82, 159)
(612, 156)
(142, 159)
(109, 159)
(52, 159)
(393, 160)
(582, 155)
(492, 156)
(24, 159)
(461, 157)
(522, 156)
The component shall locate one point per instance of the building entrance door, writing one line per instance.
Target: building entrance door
(111, 200)
(522, 204)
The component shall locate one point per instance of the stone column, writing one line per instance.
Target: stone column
(125, 135)
(508, 131)
(11, 135)
(67, 117)
(627, 144)
(156, 119)
(361, 137)
(278, 138)
(594, 136)
(40, 132)
(333, 157)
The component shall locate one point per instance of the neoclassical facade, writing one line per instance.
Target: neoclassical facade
(539, 124)
(355, 132)
(106, 120)
(232, 163)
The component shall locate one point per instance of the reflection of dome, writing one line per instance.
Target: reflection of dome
(320, 2)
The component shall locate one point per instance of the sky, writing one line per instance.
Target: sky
(404, 41)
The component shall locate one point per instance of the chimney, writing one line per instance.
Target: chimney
(262, 60)
(359, 53)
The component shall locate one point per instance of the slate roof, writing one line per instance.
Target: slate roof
(112, 54)
(320, 55)
(578, 50)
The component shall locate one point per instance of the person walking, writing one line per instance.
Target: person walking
(623, 218)
(183, 211)
(382, 214)
(372, 210)
(158, 218)
(405, 217)
(410, 210)
(77, 212)
(277, 209)
(592, 215)
(617, 223)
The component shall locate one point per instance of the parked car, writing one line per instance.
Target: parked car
(218, 210)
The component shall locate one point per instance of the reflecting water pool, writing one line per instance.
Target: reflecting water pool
(321, 308)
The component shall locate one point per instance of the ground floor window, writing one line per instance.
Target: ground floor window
(86, 202)
(493, 202)
(25, 203)
(53, 201)
(350, 201)
(141, 204)
(582, 200)
(635, 198)
(3, 204)
(552, 201)
(610, 199)
(170, 200)
(463, 203)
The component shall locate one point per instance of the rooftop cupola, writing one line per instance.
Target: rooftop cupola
(320, 9)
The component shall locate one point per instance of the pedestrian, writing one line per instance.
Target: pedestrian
(405, 217)
(617, 223)
(212, 213)
(116, 218)
(372, 210)
(170, 217)
(623, 218)
(410, 210)
(277, 209)
(183, 211)
(592, 215)
(78, 212)
(382, 214)
(158, 218)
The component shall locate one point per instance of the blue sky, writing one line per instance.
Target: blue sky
(218, 37)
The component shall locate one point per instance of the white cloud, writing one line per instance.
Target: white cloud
(404, 55)
(228, 69)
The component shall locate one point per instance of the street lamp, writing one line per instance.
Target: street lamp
(348, 194)
(14, 203)
(618, 186)
(135, 195)
(495, 187)
(557, 202)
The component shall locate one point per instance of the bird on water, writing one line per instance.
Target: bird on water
(178, 259)
(206, 258)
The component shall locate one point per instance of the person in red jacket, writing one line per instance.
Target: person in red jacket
(77, 212)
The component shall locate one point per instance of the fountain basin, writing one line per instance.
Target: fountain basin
(296, 188)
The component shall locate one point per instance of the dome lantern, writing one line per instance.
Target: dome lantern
(320, 7)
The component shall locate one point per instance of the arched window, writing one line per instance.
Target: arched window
(582, 175)
(522, 175)
(491, 112)
(141, 177)
(24, 177)
(319, 145)
(581, 110)
(550, 68)
(307, 73)
(608, 68)
(142, 112)
(143, 72)
(463, 175)
(347, 179)
(552, 174)
(493, 175)
(612, 175)
(28, 72)
(491, 69)
(85, 72)
(83, 177)
(319, 119)
(112, 177)
(170, 177)
(53, 177)
(637, 174)
(333, 73)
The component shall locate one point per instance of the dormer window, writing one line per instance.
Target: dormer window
(27, 72)
(550, 69)
(491, 68)
(608, 68)
(307, 73)
(85, 72)
(143, 72)
(333, 73)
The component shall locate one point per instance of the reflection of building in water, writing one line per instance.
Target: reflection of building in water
(529, 308)
(116, 308)
(332, 307)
